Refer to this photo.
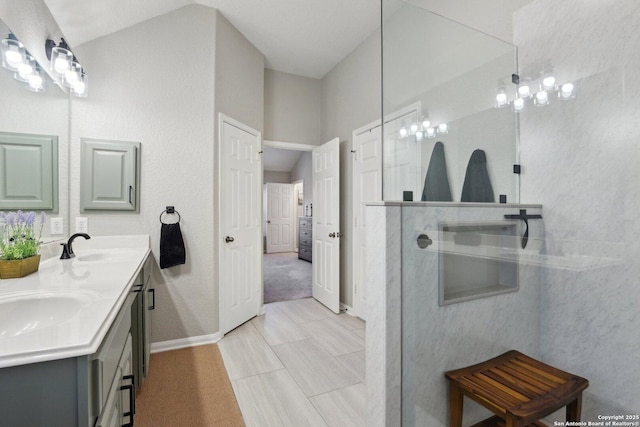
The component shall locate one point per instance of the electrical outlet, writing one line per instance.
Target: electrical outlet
(56, 226)
(82, 225)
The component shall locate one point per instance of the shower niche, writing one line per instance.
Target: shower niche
(477, 260)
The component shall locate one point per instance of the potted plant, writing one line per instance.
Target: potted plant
(19, 245)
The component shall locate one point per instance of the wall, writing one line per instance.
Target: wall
(302, 170)
(351, 98)
(166, 105)
(292, 108)
(580, 160)
(277, 177)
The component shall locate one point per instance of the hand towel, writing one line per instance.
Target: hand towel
(172, 251)
(436, 182)
(477, 185)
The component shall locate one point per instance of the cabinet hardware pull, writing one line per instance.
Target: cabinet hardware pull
(130, 191)
(153, 299)
(132, 399)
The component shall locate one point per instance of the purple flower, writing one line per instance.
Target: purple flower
(2, 215)
(30, 218)
(10, 219)
(20, 217)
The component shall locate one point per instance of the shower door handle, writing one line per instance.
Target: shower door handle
(424, 241)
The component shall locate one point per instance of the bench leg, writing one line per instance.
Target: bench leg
(455, 406)
(574, 409)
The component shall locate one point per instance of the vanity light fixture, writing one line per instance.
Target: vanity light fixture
(518, 104)
(541, 99)
(419, 135)
(431, 132)
(524, 90)
(501, 98)
(443, 128)
(65, 67)
(25, 69)
(13, 53)
(549, 83)
(36, 82)
(426, 123)
(566, 92)
(403, 132)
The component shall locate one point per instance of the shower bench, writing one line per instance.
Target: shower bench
(518, 389)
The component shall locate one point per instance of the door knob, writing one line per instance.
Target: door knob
(339, 234)
(269, 222)
(228, 239)
(332, 234)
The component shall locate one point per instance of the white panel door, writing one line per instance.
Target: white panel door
(401, 160)
(367, 187)
(279, 217)
(240, 223)
(326, 224)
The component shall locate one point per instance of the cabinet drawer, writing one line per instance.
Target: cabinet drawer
(306, 222)
(304, 252)
(305, 241)
(304, 233)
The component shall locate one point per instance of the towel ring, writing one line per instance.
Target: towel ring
(169, 211)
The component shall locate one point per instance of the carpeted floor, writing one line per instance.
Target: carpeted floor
(286, 277)
(187, 387)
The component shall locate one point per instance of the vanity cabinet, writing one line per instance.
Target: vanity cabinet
(86, 391)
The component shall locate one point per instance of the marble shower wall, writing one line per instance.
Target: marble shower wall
(581, 161)
(436, 338)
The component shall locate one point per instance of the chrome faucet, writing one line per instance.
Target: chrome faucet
(67, 249)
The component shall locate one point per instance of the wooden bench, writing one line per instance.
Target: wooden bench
(518, 389)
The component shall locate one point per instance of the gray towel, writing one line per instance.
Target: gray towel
(436, 182)
(477, 185)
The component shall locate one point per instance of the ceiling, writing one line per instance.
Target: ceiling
(303, 37)
(279, 160)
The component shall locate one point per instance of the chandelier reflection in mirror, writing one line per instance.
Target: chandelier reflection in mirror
(17, 60)
(422, 129)
(66, 69)
(525, 94)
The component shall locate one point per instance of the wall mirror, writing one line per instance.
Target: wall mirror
(38, 113)
(440, 80)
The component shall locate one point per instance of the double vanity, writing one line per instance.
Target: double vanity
(74, 337)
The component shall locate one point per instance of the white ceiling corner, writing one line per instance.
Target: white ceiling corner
(279, 160)
(301, 37)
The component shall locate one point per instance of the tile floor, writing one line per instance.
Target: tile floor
(298, 365)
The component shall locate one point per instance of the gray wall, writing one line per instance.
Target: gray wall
(580, 160)
(351, 98)
(292, 108)
(277, 177)
(302, 170)
(172, 110)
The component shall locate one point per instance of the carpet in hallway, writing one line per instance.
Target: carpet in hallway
(187, 387)
(286, 277)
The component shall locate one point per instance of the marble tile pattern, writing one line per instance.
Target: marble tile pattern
(289, 366)
(581, 159)
(383, 334)
(435, 339)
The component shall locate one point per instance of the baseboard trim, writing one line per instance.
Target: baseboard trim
(158, 347)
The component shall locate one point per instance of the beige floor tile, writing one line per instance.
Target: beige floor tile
(346, 407)
(313, 368)
(350, 321)
(246, 353)
(274, 399)
(362, 333)
(333, 336)
(303, 310)
(277, 328)
(356, 363)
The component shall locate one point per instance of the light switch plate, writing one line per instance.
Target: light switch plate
(82, 225)
(57, 226)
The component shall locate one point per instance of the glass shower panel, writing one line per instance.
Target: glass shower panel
(440, 81)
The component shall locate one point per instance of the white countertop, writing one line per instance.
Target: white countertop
(84, 296)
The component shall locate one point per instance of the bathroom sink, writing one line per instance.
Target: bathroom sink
(27, 313)
(99, 256)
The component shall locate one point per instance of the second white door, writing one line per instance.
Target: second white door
(279, 217)
(326, 224)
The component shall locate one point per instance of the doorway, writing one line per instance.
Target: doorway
(287, 272)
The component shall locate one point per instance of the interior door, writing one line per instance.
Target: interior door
(279, 217)
(367, 187)
(240, 223)
(326, 224)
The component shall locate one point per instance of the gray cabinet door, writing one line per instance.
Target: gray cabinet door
(110, 175)
(28, 171)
